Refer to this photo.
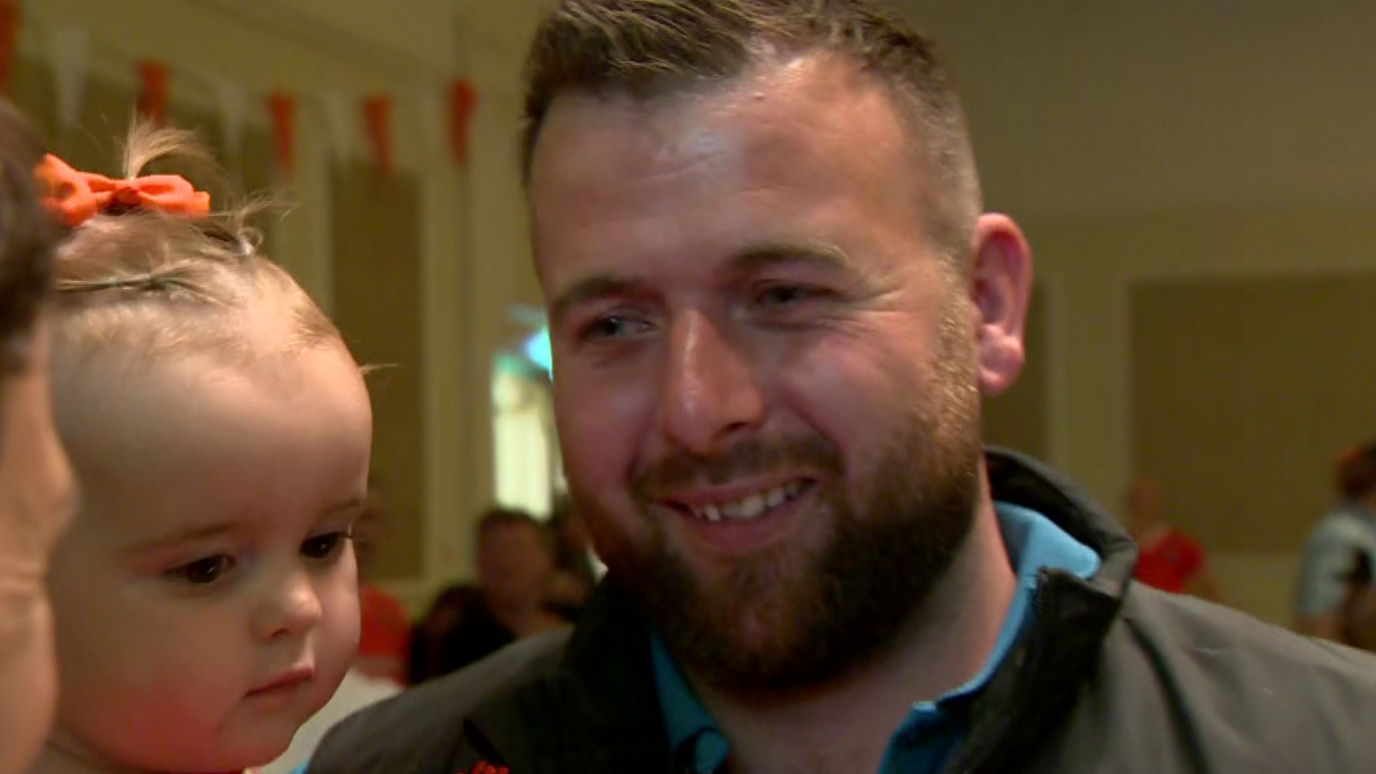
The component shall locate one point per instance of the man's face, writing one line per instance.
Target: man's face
(765, 382)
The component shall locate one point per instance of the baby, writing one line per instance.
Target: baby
(204, 597)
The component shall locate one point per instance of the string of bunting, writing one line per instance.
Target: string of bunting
(68, 49)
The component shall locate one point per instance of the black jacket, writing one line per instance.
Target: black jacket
(1109, 677)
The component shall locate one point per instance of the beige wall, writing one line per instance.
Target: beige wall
(1145, 141)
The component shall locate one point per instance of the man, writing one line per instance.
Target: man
(1168, 559)
(36, 484)
(774, 307)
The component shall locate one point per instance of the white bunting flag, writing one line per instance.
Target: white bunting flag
(338, 112)
(232, 100)
(432, 124)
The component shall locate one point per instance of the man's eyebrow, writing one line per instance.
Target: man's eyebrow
(752, 259)
(819, 255)
(590, 288)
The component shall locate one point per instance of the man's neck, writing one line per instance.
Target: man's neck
(846, 724)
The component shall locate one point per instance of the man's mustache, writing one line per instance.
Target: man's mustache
(681, 470)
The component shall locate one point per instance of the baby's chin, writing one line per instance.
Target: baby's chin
(257, 752)
(269, 732)
(274, 735)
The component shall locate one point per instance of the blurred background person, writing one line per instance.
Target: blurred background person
(384, 625)
(577, 569)
(428, 656)
(511, 600)
(1168, 559)
(1358, 627)
(1347, 530)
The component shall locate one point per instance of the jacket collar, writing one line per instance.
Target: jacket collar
(1039, 679)
(598, 712)
(1019, 480)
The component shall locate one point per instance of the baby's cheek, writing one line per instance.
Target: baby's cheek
(335, 643)
(337, 640)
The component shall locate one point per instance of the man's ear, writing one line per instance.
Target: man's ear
(1000, 287)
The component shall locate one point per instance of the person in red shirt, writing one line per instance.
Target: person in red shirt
(1168, 559)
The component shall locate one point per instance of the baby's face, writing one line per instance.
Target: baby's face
(205, 599)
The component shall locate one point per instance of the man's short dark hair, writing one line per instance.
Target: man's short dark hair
(646, 48)
(28, 237)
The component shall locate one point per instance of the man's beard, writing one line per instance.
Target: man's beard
(787, 617)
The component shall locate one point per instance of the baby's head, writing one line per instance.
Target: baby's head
(205, 596)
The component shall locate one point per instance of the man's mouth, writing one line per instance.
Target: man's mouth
(737, 507)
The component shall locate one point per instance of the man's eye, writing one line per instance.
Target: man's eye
(202, 572)
(785, 295)
(324, 546)
(613, 326)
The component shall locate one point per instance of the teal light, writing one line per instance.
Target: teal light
(537, 351)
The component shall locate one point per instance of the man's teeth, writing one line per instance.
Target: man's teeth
(752, 506)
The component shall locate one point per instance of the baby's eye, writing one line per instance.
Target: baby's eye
(202, 572)
(324, 546)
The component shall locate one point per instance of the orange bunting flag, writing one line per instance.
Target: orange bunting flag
(9, 35)
(153, 96)
(282, 108)
(463, 99)
(377, 119)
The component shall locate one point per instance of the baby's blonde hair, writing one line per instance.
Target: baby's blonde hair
(154, 284)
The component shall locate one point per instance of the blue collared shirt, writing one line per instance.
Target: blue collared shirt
(931, 731)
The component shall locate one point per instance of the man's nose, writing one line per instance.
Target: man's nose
(709, 392)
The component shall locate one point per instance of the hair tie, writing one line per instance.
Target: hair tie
(74, 197)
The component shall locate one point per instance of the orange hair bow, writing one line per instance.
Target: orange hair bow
(74, 197)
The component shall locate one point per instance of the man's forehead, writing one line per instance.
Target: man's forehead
(788, 154)
(750, 118)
